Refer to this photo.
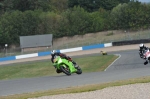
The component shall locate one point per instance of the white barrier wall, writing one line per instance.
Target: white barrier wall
(27, 56)
(107, 44)
(71, 50)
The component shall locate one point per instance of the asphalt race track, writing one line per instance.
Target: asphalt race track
(129, 65)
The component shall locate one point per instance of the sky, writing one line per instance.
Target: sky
(144, 0)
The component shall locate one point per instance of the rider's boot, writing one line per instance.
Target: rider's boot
(75, 64)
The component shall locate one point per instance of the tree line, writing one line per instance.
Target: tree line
(69, 17)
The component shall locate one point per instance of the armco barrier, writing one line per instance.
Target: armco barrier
(62, 51)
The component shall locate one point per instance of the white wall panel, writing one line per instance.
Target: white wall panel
(27, 56)
(71, 50)
(107, 44)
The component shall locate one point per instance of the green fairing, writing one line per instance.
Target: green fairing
(63, 62)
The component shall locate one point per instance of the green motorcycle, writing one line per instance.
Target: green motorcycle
(66, 66)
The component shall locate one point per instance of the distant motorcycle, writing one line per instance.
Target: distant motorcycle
(66, 66)
(141, 53)
(146, 56)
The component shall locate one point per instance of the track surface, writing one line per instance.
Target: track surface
(129, 65)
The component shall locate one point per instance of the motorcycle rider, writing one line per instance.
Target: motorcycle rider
(54, 53)
(142, 48)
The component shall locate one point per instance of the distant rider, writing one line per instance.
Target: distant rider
(142, 48)
(54, 53)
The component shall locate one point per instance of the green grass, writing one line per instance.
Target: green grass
(95, 63)
(26, 70)
(45, 68)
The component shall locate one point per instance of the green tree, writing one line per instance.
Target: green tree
(130, 16)
(9, 27)
(93, 5)
(59, 5)
(17, 23)
(5, 5)
(31, 22)
(50, 23)
(98, 20)
(23, 5)
(75, 21)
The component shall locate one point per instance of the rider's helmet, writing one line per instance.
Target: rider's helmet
(53, 52)
(141, 45)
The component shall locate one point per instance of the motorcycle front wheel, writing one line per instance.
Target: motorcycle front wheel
(65, 70)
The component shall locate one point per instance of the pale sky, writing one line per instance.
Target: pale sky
(144, 0)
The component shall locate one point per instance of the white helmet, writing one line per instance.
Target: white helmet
(53, 52)
(141, 45)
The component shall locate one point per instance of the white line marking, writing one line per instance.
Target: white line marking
(113, 61)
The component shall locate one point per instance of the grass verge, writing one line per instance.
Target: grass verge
(78, 89)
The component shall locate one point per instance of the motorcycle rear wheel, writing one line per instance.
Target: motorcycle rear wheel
(65, 70)
(79, 70)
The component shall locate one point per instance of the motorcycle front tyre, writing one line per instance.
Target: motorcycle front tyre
(65, 70)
